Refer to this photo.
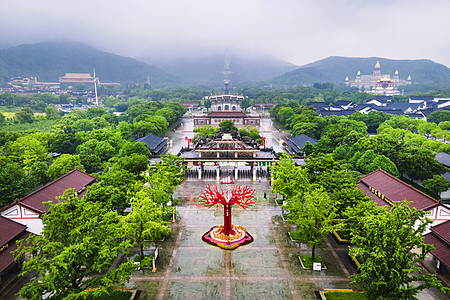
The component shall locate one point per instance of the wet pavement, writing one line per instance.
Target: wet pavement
(268, 268)
(267, 129)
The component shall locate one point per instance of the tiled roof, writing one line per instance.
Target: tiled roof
(318, 104)
(444, 158)
(382, 98)
(342, 102)
(153, 142)
(403, 106)
(297, 143)
(443, 231)
(9, 230)
(75, 179)
(395, 112)
(345, 113)
(396, 190)
(6, 257)
(428, 98)
(226, 114)
(440, 238)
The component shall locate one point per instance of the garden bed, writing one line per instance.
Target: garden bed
(307, 262)
(294, 236)
(116, 295)
(344, 296)
(342, 236)
(279, 201)
(284, 216)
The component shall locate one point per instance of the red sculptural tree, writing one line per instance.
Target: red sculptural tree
(240, 195)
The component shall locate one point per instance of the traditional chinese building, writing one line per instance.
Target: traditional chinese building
(29, 209)
(239, 118)
(385, 189)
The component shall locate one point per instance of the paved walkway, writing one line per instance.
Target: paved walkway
(268, 268)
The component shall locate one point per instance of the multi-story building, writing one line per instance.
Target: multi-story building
(369, 81)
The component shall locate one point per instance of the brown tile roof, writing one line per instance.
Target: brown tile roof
(443, 231)
(440, 242)
(226, 114)
(9, 230)
(75, 179)
(371, 195)
(6, 257)
(395, 190)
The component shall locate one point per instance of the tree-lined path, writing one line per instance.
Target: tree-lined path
(268, 268)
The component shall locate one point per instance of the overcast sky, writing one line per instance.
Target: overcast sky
(294, 30)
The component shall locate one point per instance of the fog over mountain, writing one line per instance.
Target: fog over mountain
(298, 31)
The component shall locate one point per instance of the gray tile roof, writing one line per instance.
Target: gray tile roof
(153, 142)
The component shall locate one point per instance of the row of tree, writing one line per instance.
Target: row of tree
(90, 140)
(403, 146)
(82, 238)
(321, 194)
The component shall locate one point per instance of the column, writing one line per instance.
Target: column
(236, 171)
(218, 172)
(199, 171)
(254, 171)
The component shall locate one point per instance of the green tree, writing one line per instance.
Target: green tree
(436, 184)
(25, 115)
(2, 119)
(245, 103)
(364, 163)
(207, 103)
(385, 244)
(145, 222)
(313, 213)
(63, 165)
(288, 179)
(284, 114)
(51, 112)
(90, 162)
(27, 150)
(79, 243)
(126, 130)
(227, 124)
(129, 148)
(113, 197)
(419, 163)
(38, 173)
(14, 182)
(439, 116)
(385, 164)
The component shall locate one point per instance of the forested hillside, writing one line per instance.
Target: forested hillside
(425, 74)
(49, 60)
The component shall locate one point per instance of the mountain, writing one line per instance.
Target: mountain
(49, 60)
(208, 68)
(424, 73)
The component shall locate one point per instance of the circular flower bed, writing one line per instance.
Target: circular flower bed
(215, 237)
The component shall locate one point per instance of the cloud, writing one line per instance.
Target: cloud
(295, 30)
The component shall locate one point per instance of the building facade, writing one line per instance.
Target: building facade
(369, 81)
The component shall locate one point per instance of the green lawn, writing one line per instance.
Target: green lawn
(115, 295)
(345, 296)
(295, 235)
(308, 262)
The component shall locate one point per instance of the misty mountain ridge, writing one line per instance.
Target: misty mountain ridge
(209, 67)
(425, 74)
(49, 60)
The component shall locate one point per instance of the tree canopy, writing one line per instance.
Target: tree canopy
(80, 241)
